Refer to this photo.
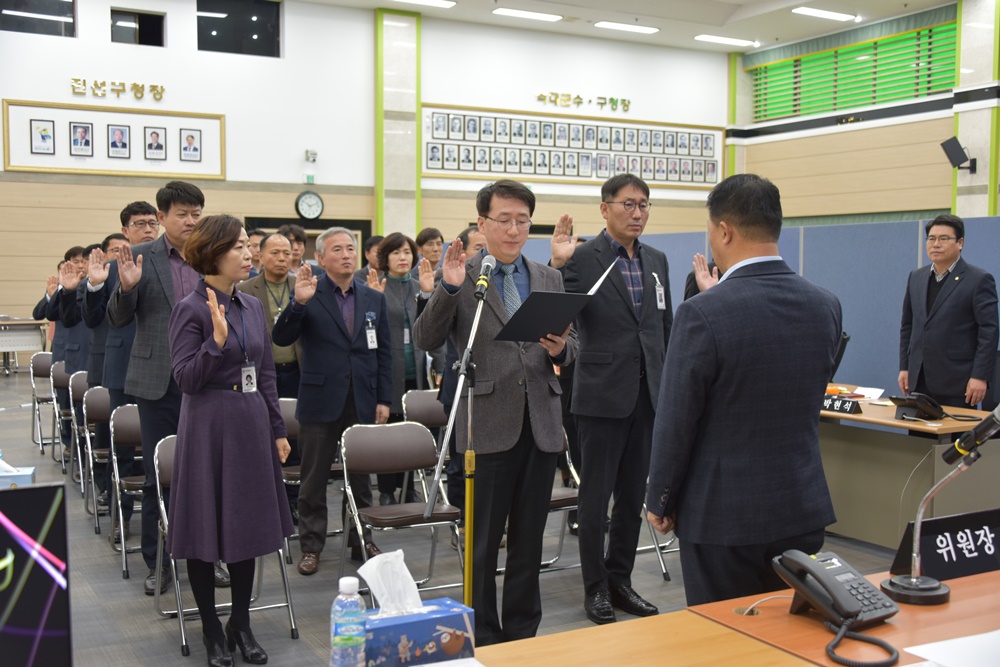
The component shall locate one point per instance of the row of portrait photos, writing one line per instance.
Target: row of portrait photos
(118, 139)
(570, 135)
(457, 157)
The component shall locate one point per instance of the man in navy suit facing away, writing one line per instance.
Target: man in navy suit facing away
(736, 468)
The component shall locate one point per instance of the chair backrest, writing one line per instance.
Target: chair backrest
(423, 407)
(97, 406)
(287, 406)
(59, 376)
(78, 386)
(382, 448)
(125, 431)
(163, 460)
(40, 367)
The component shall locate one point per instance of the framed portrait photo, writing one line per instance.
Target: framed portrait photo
(496, 163)
(604, 138)
(711, 171)
(673, 169)
(486, 131)
(190, 145)
(647, 168)
(562, 135)
(466, 163)
(685, 170)
(439, 125)
(682, 143)
(694, 146)
(556, 163)
(570, 164)
(541, 162)
(548, 134)
(656, 139)
(516, 131)
(576, 136)
(472, 128)
(586, 164)
(513, 165)
(698, 171)
(707, 145)
(603, 169)
(43, 137)
(456, 126)
(617, 139)
(590, 137)
(644, 146)
(451, 156)
(531, 134)
(155, 142)
(661, 169)
(631, 145)
(81, 139)
(633, 165)
(118, 141)
(527, 161)
(503, 131)
(670, 143)
(482, 159)
(434, 160)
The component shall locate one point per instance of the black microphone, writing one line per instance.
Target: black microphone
(489, 263)
(969, 440)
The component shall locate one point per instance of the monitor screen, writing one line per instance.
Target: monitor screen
(34, 577)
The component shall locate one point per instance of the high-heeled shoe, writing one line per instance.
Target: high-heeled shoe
(218, 654)
(249, 648)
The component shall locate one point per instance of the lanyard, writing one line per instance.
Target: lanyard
(278, 301)
(242, 343)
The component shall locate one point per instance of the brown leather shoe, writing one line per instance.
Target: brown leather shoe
(308, 563)
(371, 549)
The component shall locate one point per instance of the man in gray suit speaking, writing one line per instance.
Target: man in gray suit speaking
(735, 463)
(517, 420)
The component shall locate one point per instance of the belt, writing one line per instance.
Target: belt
(286, 367)
(226, 387)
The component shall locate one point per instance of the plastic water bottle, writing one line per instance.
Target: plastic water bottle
(347, 626)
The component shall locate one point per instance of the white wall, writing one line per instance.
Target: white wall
(318, 95)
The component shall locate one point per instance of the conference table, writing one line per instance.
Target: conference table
(20, 335)
(879, 468)
(715, 634)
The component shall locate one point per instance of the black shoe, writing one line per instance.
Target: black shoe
(387, 499)
(149, 586)
(249, 648)
(598, 608)
(221, 576)
(626, 599)
(218, 654)
(102, 500)
(370, 548)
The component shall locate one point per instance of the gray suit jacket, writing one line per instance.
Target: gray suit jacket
(736, 436)
(149, 303)
(613, 341)
(507, 373)
(957, 339)
(256, 287)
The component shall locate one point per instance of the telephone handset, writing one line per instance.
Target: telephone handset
(836, 590)
(917, 406)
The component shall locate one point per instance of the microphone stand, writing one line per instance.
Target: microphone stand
(466, 375)
(914, 588)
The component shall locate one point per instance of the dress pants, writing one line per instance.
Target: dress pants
(615, 463)
(513, 488)
(126, 456)
(713, 572)
(956, 401)
(319, 444)
(158, 419)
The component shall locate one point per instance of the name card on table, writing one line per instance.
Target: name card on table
(847, 406)
(952, 546)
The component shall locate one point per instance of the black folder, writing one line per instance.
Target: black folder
(542, 313)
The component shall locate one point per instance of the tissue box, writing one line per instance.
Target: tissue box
(444, 631)
(25, 476)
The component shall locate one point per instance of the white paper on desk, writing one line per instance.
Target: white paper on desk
(972, 651)
(871, 393)
(461, 662)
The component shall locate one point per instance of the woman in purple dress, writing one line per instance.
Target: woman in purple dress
(227, 497)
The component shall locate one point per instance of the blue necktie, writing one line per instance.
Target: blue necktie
(511, 297)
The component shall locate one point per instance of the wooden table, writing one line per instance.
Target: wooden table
(974, 608)
(877, 477)
(678, 638)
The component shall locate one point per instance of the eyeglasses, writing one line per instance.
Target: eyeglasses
(943, 239)
(630, 205)
(145, 224)
(506, 224)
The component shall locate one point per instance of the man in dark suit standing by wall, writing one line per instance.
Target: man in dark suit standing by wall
(151, 278)
(346, 377)
(517, 425)
(623, 337)
(948, 335)
(736, 466)
(140, 225)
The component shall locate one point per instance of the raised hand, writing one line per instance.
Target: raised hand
(129, 270)
(453, 265)
(373, 281)
(426, 275)
(69, 276)
(563, 241)
(305, 285)
(51, 285)
(97, 272)
(702, 276)
(220, 325)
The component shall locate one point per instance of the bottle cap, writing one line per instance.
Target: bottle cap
(349, 585)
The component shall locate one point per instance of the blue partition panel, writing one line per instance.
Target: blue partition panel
(866, 267)
(789, 246)
(680, 249)
(982, 243)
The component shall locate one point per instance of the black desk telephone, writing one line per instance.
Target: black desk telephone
(836, 590)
